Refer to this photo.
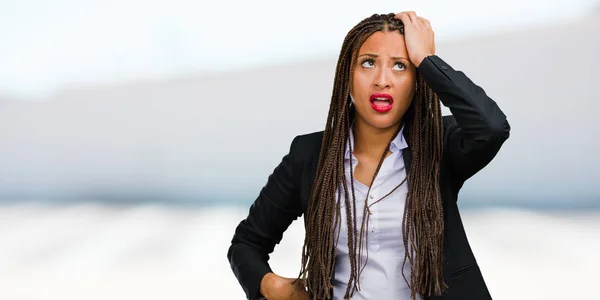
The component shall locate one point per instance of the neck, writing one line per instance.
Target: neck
(372, 141)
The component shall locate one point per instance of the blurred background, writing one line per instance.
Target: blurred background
(136, 134)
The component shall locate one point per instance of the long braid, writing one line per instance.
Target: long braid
(423, 222)
(423, 216)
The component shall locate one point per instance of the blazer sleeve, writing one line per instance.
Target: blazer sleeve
(477, 128)
(276, 206)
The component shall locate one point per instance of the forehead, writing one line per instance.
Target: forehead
(384, 44)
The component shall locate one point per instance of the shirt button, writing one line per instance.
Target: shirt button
(372, 196)
(373, 230)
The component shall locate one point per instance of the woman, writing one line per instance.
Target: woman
(378, 187)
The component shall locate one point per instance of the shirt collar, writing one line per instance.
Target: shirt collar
(398, 143)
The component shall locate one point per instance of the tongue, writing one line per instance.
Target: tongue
(381, 103)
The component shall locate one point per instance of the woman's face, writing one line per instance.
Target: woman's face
(383, 82)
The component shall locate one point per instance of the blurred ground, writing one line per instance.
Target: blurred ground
(93, 251)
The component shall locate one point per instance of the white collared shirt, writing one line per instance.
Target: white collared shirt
(382, 274)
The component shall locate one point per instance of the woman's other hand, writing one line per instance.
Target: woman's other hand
(275, 287)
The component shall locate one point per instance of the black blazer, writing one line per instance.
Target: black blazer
(473, 134)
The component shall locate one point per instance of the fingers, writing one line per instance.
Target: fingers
(299, 292)
(425, 22)
(413, 17)
(404, 17)
(410, 17)
(301, 283)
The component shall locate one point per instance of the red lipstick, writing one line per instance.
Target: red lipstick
(381, 102)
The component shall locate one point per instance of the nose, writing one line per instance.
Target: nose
(382, 79)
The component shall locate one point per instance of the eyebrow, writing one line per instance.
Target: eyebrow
(377, 55)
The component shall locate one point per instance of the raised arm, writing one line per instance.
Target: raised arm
(269, 216)
(477, 128)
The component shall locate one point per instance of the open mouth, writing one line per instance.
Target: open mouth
(381, 102)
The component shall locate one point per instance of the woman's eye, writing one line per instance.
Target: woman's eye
(368, 63)
(399, 67)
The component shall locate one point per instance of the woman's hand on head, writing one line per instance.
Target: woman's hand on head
(418, 36)
(275, 287)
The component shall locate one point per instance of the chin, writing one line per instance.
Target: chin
(382, 121)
